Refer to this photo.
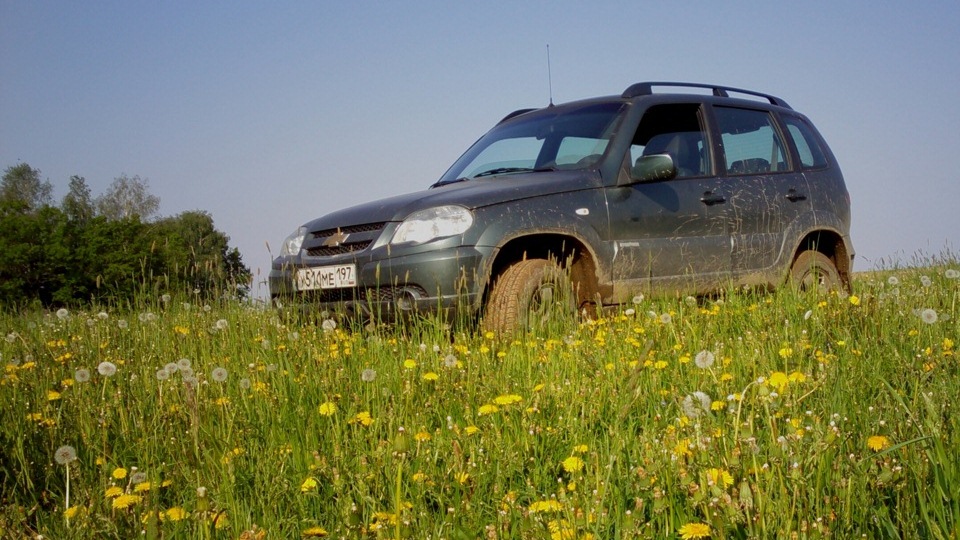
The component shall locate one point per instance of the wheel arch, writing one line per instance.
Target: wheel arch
(832, 245)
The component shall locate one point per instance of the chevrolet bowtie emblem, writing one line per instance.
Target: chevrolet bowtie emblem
(335, 239)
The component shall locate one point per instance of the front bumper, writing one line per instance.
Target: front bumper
(447, 281)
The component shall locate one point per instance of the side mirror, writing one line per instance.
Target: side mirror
(654, 167)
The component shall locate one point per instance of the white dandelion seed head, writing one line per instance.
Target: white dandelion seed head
(186, 372)
(163, 374)
(65, 454)
(808, 314)
(165, 298)
(293, 336)
(221, 324)
(138, 477)
(207, 308)
(328, 325)
(630, 312)
(695, 404)
(91, 322)
(704, 359)
(666, 318)
(368, 375)
(186, 306)
(951, 273)
(219, 374)
(928, 315)
(103, 315)
(12, 336)
(690, 301)
(171, 368)
(190, 382)
(107, 369)
(436, 348)
(893, 281)
(184, 363)
(122, 324)
(271, 368)
(265, 345)
(63, 314)
(81, 375)
(423, 347)
(244, 383)
(925, 281)
(450, 361)
(638, 299)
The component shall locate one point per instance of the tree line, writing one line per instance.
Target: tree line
(106, 248)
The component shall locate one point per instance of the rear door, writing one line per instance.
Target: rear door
(767, 192)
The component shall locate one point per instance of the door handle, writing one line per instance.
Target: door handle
(793, 196)
(710, 198)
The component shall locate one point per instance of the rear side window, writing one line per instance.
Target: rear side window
(808, 144)
(751, 144)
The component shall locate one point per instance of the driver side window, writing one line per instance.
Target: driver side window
(676, 130)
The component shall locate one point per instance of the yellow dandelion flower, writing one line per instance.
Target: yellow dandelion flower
(720, 477)
(507, 399)
(328, 409)
(308, 485)
(53, 395)
(314, 532)
(419, 477)
(539, 387)
(682, 448)
(363, 418)
(431, 376)
(470, 430)
(175, 513)
(462, 478)
(581, 449)
(573, 464)
(141, 487)
(487, 409)
(422, 436)
(797, 377)
(113, 491)
(694, 531)
(125, 501)
(685, 359)
(854, 300)
(222, 401)
(778, 380)
(182, 330)
(549, 505)
(409, 363)
(119, 473)
(717, 405)
(72, 512)
(660, 364)
(786, 352)
(877, 442)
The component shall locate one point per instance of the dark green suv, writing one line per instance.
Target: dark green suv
(680, 192)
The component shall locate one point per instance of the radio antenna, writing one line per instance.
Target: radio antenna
(549, 76)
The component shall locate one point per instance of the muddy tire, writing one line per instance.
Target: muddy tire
(529, 295)
(814, 271)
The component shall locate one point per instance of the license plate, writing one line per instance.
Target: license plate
(326, 277)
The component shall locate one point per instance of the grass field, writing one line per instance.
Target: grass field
(743, 416)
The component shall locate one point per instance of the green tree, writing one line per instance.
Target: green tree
(78, 204)
(127, 197)
(22, 183)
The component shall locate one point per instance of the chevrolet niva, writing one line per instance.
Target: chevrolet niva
(686, 191)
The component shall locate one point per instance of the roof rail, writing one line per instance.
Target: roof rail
(646, 89)
(517, 112)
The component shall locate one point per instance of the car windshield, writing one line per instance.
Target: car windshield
(547, 139)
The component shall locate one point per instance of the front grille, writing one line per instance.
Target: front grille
(371, 294)
(330, 242)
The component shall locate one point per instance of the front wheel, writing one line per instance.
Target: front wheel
(530, 295)
(813, 271)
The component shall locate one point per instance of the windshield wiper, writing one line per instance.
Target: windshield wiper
(503, 170)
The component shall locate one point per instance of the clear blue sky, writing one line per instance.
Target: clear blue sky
(270, 114)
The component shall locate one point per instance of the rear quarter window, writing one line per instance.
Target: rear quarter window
(807, 143)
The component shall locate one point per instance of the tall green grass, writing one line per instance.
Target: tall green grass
(745, 415)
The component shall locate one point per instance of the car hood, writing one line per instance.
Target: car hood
(471, 194)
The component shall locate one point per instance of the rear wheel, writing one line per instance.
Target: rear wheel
(814, 271)
(529, 295)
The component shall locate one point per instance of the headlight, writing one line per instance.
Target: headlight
(291, 245)
(432, 223)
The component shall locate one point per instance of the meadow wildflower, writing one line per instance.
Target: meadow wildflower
(81, 375)
(122, 324)
(572, 464)
(175, 513)
(779, 380)
(694, 531)
(138, 477)
(125, 501)
(184, 363)
(219, 374)
(928, 315)
(314, 532)
(221, 324)
(450, 361)
(925, 281)
(546, 506)
(308, 485)
(877, 442)
(487, 409)
(507, 399)
(363, 418)
(328, 409)
(696, 404)
(113, 491)
(244, 383)
(162, 374)
(107, 369)
(328, 325)
(368, 375)
(719, 477)
(65, 454)
(431, 376)
(119, 473)
(638, 299)
(470, 430)
(409, 363)
(704, 359)
(893, 281)
(63, 314)
(951, 273)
